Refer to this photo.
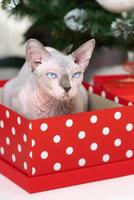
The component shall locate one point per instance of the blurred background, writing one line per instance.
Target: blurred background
(65, 25)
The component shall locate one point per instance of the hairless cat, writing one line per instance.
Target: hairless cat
(49, 83)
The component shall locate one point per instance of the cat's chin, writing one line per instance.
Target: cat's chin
(61, 98)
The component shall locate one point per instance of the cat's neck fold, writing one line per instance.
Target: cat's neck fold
(45, 105)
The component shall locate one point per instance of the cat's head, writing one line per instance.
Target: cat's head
(57, 74)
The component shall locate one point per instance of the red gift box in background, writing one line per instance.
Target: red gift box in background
(121, 85)
(61, 151)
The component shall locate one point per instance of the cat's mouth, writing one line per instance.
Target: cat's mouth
(66, 97)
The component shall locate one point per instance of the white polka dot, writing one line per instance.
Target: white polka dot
(106, 158)
(57, 166)
(13, 158)
(103, 94)
(44, 154)
(117, 142)
(24, 137)
(82, 162)
(7, 140)
(117, 115)
(81, 135)
(25, 165)
(30, 126)
(93, 119)
(19, 148)
(1, 123)
(33, 170)
(69, 150)
(13, 131)
(18, 120)
(69, 123)
(130, 103)
(2, 151)
(94, 146)
(129, 127)
(7, 114)
(33, 142)
(31, 154)
(56, 139)
(43, 127)
(105, 130)
(129, 153)
(116, 99)
(90, 89)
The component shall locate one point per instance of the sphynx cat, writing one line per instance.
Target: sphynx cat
(49, 83)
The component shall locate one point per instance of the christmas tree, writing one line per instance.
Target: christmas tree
(66, 24)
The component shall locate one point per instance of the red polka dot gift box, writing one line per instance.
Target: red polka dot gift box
(121, 85)
(50, 153)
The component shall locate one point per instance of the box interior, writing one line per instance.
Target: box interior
(97, 102)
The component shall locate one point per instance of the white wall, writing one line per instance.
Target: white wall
(11, 34)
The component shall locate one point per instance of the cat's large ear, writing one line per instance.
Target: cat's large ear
(35, 53)
(83, 54)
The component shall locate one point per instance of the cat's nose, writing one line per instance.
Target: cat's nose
(67, 89)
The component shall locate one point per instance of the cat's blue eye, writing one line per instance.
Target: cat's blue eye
(51, 75)
(76, 75)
